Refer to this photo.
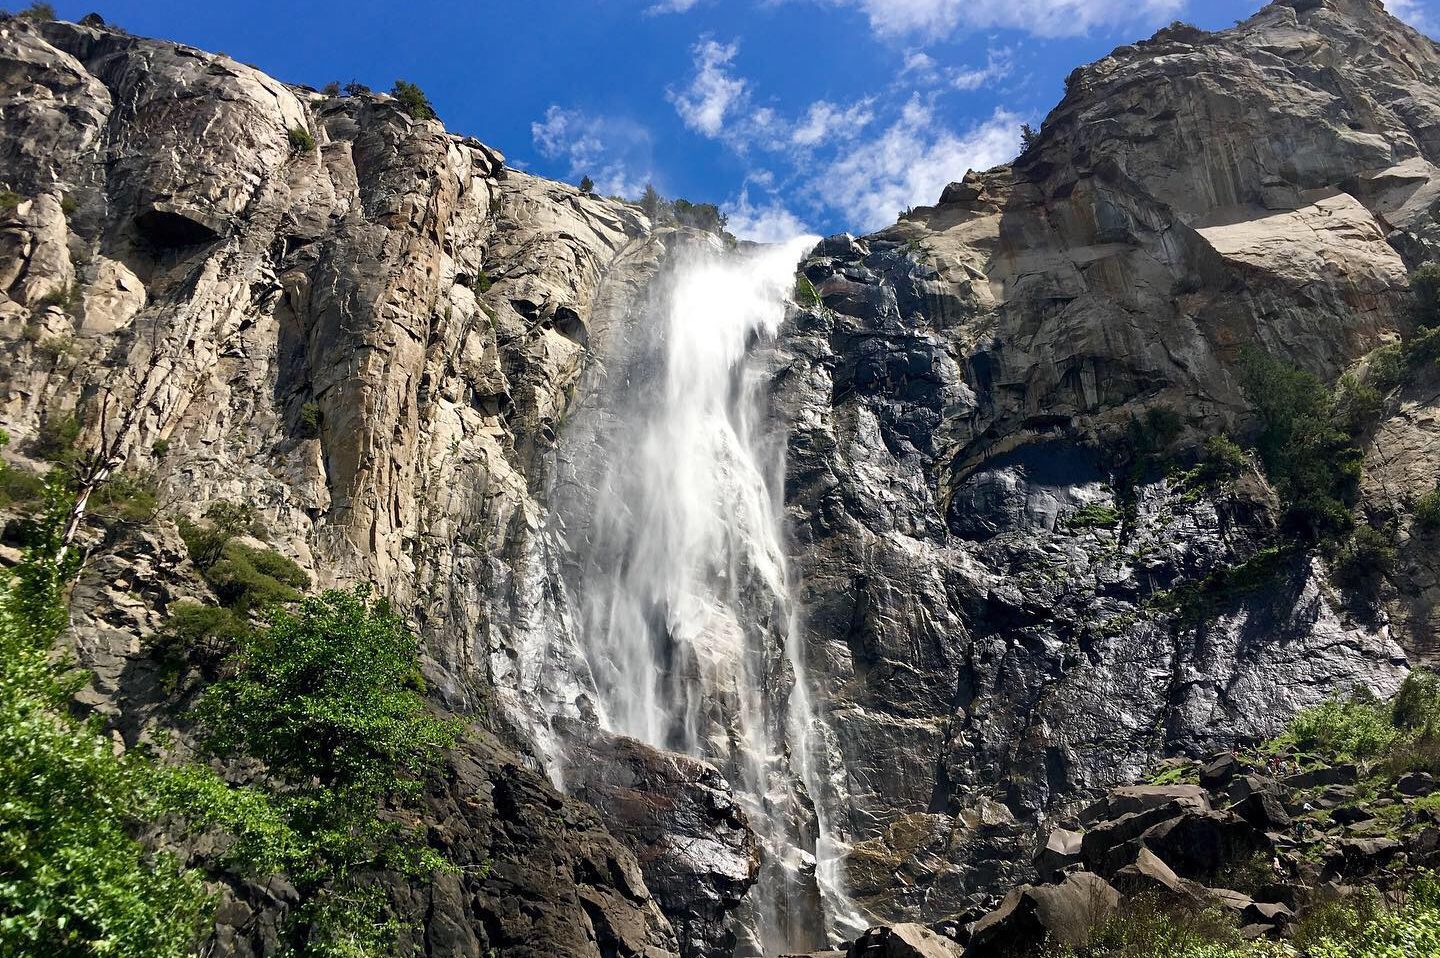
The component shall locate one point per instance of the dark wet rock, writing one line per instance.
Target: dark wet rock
(903, 941)
(677, 814)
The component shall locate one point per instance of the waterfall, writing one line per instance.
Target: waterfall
(686, 609)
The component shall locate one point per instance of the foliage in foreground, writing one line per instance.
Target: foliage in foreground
(74, 882)
(1359, 927)
(327, 696)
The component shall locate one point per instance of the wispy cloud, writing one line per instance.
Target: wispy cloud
(768, 221)
(936, 19)
(671, 6)
(826, 122)
(614, 152)
(998, 64)
(713, 92)
(910, 163)
(1412, 12)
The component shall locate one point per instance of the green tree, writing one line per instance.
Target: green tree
(1029, 137)
(413, 100)
(328, 697)
(1425, 288)
(587, 185)
(1314, 465)
(655, 206)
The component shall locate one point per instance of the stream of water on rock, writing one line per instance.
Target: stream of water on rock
(687, 615)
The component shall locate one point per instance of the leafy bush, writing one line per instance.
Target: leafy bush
(1221, 460)
(413, 100)
(9, 199)
(128, 497)
(1314, 465)
(1427, 510)
(327, 696)
(587, 185)
(56, 439)
(1357, 405)
(300, 140)
(331, 89)
(1425, 293)
(311, 418)
(74, 883)
(245, 578)
(1345, 729)
(1367, 556)
(1095, 515)
(39, 12)
(356, 89)
(1417, 705)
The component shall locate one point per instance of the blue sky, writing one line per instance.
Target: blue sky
(793, 115)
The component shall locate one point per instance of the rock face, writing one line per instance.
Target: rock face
(989, 561)
(691, 838)
(380, 341)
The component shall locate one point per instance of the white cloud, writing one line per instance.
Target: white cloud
(614, 152)
(1412, 12)
(934, 19)
(998, 64)
(910, 163)
(825, 121)
(714, 92)
(671, 6)
(767, 222)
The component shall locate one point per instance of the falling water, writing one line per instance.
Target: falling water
(687, 616)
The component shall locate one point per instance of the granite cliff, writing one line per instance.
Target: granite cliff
(413, 361)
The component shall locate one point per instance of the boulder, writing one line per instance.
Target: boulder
(1342, 774)
(1032, 915)
(1219, 770)
(1264, 811)
(904, 941)
(1199, 844)
(1148, 874)
(1061, 851)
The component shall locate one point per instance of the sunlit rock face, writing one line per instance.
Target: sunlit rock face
(819, 606)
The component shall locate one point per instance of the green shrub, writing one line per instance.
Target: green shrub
(39, 12)
(1314, 465)
(159, 448)
(327, 696)
(194, 625)
(68, 205)
(587, 185)
(1343, 729)
(311, 419)
(300, 140)
(56, 439)
(356, 89)
(1368, 555)
(1416, 706)
(1425, 295)
(1221, 460)
(19, 487)
(1094, 516)
(9, 199)
(1388, 367)
(1427, 510)
(331, 89)
(128, 497)
(66, 298)
(413, 100)
(1357, 405)
(246, 578)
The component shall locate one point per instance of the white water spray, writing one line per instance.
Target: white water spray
(687, 616)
